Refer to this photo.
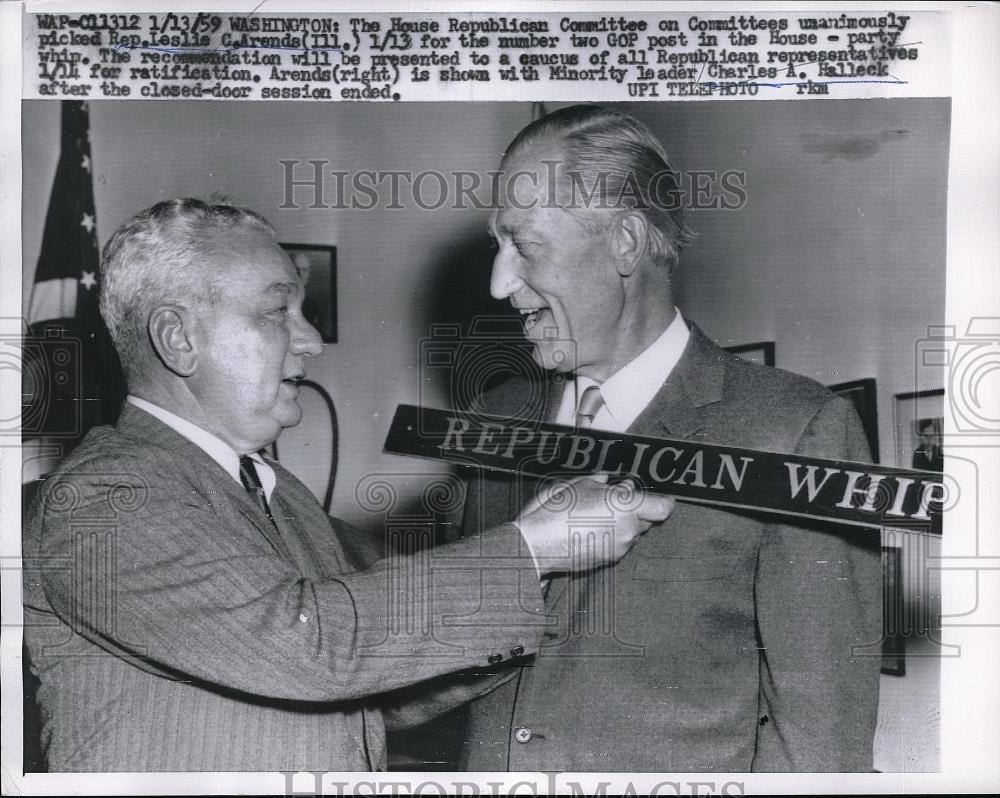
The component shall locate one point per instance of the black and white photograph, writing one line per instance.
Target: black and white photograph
(317, 268)
(919, 425)
(471, 437)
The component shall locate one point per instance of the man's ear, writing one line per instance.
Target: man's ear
(170, 328)
(629, 242)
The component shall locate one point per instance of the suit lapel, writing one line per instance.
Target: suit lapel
(676, 411)
(255, 517)
(214, 484)
(306, 528)
(554, 390)
(293, 538)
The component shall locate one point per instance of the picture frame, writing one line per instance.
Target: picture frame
(918, 424)
(320, 302)
(761, 353)
(862, 395)
(893, 638)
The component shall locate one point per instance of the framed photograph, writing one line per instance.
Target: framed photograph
(762, 353)
(862, 395)
(893, 640)
(319, 265)
(919, 421)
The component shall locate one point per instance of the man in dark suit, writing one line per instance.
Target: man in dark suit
(724, 640)
(929, 455)
(188, 604)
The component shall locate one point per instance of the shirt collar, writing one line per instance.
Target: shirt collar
(629, 390)
(213, 446)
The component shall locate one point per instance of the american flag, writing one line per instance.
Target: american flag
(72, 379)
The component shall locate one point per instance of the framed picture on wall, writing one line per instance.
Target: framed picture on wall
(862, 396)
(894, 641)
(919, 422)
(762, 353)
(319, 266)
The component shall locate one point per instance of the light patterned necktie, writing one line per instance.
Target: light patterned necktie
(590, 405)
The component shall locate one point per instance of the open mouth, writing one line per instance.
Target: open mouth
(531, 316)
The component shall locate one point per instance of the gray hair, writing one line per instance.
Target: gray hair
(161, 256)
(624, 166)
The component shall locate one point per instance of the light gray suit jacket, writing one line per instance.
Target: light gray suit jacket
(173, 628)
(724, 640)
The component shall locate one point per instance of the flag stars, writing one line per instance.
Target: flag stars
(88, 280)
(88, 222)
(85, 163)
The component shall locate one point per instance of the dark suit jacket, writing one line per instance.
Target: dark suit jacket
(724, 641)
(929, 460)
(173, 628)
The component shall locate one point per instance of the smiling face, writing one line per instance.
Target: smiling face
(560, 276)
(251, 342)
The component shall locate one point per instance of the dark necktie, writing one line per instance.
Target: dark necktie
(251, 482)
(590, 405)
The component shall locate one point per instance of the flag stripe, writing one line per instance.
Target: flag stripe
(53, 299)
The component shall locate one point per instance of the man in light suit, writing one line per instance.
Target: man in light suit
(724, 640)
(188, 604)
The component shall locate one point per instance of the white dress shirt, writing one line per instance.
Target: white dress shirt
(629, 390)
(213, 446)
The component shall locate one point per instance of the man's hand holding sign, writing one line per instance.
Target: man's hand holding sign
(557, 551)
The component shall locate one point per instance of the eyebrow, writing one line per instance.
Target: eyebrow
(281, 288)
(508, 229)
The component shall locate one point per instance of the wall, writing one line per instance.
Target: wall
(838, 256)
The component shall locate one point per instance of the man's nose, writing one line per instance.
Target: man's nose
(305, 339)
(504, 280)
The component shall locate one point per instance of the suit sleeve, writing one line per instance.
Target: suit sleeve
(421, 703)
(819, 613)
(165, 580)
(413, 706)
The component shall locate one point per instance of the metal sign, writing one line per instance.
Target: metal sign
(859, 494)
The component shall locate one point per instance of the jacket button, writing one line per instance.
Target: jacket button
(522, 734)
(517, 651)
(493, 659)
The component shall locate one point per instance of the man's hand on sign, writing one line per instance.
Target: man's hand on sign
(585, 523)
